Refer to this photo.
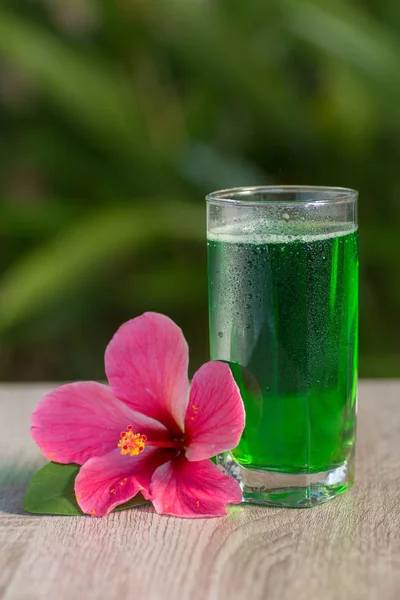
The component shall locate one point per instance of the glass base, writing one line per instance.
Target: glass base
(290, 490)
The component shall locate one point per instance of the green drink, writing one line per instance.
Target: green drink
(283, 296)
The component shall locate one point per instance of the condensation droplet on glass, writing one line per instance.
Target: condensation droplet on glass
(220, 334)
(286, 216)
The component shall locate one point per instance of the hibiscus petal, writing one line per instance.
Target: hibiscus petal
(193, 489)
(146, 365)
(105, 482)
(80, 420)
(215, 417)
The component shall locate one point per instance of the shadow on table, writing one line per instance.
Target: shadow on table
(13, 483)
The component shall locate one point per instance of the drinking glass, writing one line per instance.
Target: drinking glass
(283, 310)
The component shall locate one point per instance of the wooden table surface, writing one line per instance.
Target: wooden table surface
(348, 548)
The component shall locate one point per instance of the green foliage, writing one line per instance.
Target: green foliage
(118, 117)
(39, 279)
(51, 492)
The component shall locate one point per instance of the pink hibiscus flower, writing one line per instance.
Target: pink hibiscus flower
(146, 432)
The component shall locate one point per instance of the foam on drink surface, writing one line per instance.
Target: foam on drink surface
(264, 232)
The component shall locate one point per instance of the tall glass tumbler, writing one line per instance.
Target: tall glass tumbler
(283, 308)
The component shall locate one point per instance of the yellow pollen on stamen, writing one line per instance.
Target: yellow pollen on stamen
(131, 443)
(93, 512)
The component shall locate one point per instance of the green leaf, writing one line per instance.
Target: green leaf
(138, 500)
(212, 44)
(89, 92)
(83, 250)
(51, 491)
(209, 168)
(349, 34)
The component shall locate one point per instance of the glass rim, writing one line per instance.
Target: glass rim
(242, 196)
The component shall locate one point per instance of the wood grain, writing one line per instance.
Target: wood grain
(346, 549)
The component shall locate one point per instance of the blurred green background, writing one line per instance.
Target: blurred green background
(117, 116)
